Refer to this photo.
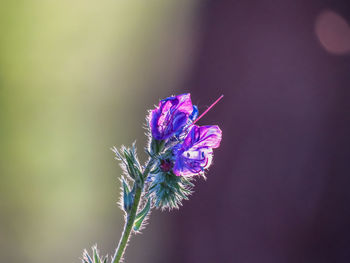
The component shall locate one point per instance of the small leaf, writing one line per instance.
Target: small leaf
(96, 257)
(148, 153)
(127, 197)
(141, 216)
(133, 165)
(140, 176)
(87, 258)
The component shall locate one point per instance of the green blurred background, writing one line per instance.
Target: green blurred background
(76, 78)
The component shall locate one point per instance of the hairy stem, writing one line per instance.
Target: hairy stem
(128, 227)
(131, 216)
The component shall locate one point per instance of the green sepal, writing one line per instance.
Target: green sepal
(142, 215)
(156, 147)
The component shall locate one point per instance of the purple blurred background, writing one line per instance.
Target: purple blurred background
(279, 188)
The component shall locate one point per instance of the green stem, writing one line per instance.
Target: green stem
(128, 227)
(131, 216)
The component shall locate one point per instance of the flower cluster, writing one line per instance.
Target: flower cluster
(178, 149)
(188, 149)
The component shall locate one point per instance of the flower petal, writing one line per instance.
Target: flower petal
(170, 116)
(185, 103)
(195, 153)
(191, 163)
(204, 136)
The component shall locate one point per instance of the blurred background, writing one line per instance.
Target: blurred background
(77, 77)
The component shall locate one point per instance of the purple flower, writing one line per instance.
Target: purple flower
(170, 116)
(195, 153)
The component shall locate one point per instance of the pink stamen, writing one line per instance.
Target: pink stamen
(211, 106)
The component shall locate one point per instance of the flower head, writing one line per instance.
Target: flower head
(186, 150)
(195, 153)
(170, 116)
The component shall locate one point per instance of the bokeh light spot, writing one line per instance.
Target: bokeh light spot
(333, 32)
